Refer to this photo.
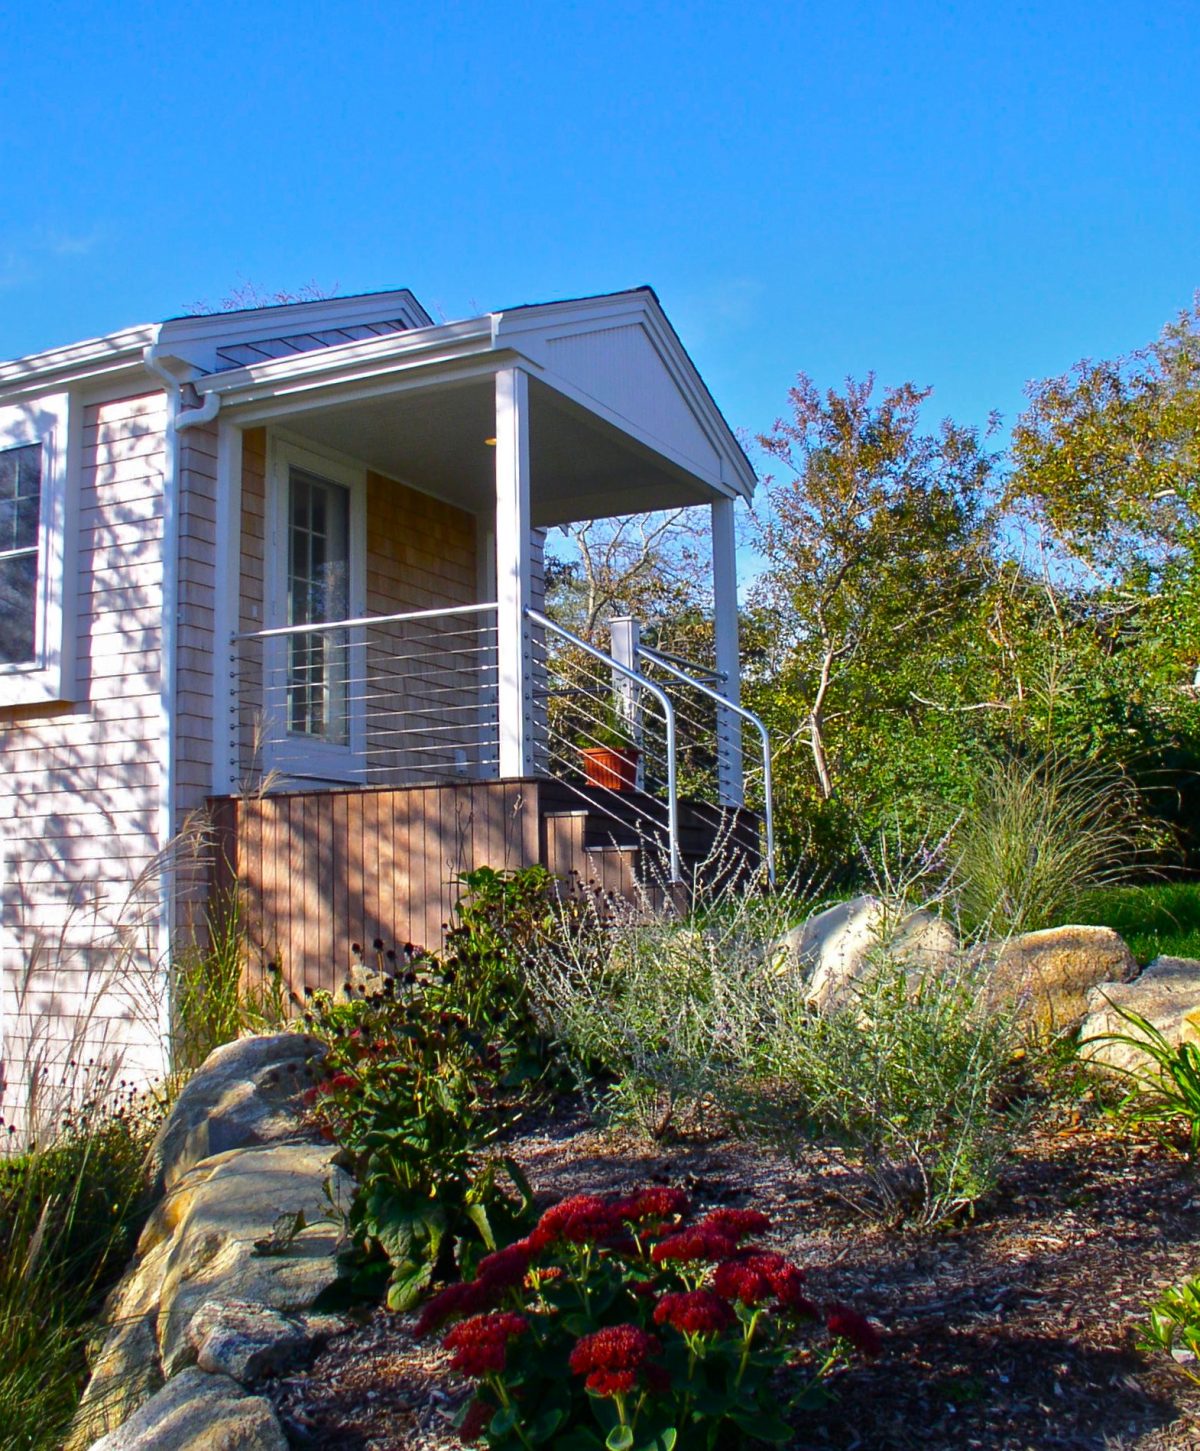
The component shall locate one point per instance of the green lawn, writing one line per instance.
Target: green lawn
(1162, 919)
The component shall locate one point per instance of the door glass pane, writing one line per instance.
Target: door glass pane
(318, 590)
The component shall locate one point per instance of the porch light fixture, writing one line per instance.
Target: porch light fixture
(491, 442)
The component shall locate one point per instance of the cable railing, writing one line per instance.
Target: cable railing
(589, 710)
(414, 699)
(381, 700)
(703, 714)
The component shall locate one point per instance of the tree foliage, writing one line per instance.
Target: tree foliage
(875, 539)
(928, 606)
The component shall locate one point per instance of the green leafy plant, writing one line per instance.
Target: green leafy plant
(501, 918)
(906, 1081)
(1174, 1327)
(406, 1095)
(1167, 1090)
(623, 1324)
(666, 1021)
(610, 730)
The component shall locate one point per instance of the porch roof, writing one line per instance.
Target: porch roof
(620, 420)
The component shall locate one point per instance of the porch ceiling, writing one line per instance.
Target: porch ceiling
(434, 438)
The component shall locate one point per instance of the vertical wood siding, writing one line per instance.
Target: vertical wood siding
(322, 870)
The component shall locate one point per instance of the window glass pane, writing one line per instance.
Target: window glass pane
(20, 496)
(18, 594)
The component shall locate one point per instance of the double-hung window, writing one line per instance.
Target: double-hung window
(34, 650)
(20, 517)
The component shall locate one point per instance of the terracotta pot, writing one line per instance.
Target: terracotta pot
(614, 767)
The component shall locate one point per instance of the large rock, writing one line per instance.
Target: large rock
(1046, 976)
(199, 1412)
(1167, 995)
(835, 948)
(214, 1216)
(126, 1373)
(200, 1251)
(245, 1093)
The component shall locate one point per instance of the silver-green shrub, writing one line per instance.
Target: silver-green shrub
(665, 1018)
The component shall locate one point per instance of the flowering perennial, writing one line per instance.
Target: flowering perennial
(673, 1332)
(616, 1359)
(480, 1344)
(694, 1312)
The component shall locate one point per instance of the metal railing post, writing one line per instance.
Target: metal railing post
(625, 635)
(664, 663)
(638, 681)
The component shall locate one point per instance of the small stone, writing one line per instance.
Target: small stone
(836, 948)
(235, 1099)
(1167, 995)
(246, 1341)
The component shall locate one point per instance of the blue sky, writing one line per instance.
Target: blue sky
(967, 195)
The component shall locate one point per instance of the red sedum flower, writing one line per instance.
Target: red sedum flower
(474, 1423)
(840, 1320)
(615, 1358)
(737, 1222)
(690, 1245)
(694, 1312)
(581, 1219)
(480, 1344)
(611, 1382)
(737, 1279)
(454, 1301)
(658, 1202)
(506, 1268)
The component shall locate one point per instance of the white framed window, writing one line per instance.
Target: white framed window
(316, 575)
(35, 648)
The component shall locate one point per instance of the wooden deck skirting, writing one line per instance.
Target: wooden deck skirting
(320, 870)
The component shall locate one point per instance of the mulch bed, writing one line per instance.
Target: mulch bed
(1015, 1331)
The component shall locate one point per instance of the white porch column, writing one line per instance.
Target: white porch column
(725, 625)
(514, 573)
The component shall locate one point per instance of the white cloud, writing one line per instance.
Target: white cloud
(24, 255)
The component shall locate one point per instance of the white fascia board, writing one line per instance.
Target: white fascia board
(530, 328)
(198, 338)
(281, 404)
(349, 363)
(83, 362)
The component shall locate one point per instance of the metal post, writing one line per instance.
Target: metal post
(625, 634)
(730, 787)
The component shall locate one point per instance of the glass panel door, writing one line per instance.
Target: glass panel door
(318, 591)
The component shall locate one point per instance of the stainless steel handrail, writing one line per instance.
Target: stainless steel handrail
(668, 710)
(317, 628)
(768, 815)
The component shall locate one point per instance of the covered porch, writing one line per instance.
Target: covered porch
(382, 509)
